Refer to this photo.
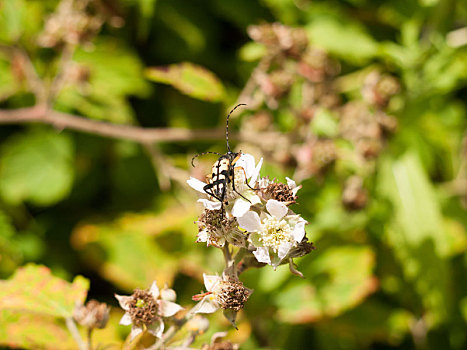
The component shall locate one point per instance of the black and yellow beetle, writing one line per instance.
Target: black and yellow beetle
(223, 170)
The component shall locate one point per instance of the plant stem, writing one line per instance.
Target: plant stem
(90, 338)
(71, 325)
(60, 120)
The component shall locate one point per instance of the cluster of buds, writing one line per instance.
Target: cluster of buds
(295, 72)
(71, 24)
(365, 128)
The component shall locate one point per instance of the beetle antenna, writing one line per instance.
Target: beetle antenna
(227, 126)
(202, 154)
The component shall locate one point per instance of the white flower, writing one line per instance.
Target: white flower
(144, 310)
(215, 228)
(273, 234)
(229, 295)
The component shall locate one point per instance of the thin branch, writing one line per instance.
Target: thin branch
(71, 325)
(60, 120)
(65, 62)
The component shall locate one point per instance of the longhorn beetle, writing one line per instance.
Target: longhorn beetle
(223, 170)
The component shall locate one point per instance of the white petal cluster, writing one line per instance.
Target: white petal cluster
(273, 233)
(144, 310)
(257, 216)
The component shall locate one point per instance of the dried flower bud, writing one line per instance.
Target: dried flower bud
(354, 195)
(379, 88)
(291, 41)
(215, 229)
(324, 153)
(316, 65)
(71, 23)
(278, 191)
(275, 84)
(303, 248)
(388, 123)
(92, 315)
(231, 295)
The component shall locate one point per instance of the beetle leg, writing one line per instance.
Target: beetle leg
(233, 183)
(209, 192)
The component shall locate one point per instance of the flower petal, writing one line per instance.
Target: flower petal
(254, 199)
(293, 186)
(210, 281)
(250, 222)
(291, 183)
(240, 207)
(255, 174)
(206, 306)
(168, 308)
(276, 208)
(156, 328)
(196, 184)
(284, 249)
(123, 301)
(262, 255)
(154, 290)
(210, 205)
(126, 319)
(299, 231)
(247, 162)
(202, 236)
(135, 331)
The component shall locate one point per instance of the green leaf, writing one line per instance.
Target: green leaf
(252, 51)
(417, 234)
(346, 40)
(325, 123)
(10, 253)
(337, 280)
(123, 253)
(20, 19)
(33, 331)
(386, 324)
(8, 84)
(34, 289)
(115, 73)
(190, 79)
(11, 17)
(36, 166)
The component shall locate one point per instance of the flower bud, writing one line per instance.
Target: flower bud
(92, 315)
(168, 294)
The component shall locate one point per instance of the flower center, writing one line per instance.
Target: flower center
(142, 307)
(275, 232)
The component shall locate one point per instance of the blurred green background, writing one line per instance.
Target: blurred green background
(362, 102)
